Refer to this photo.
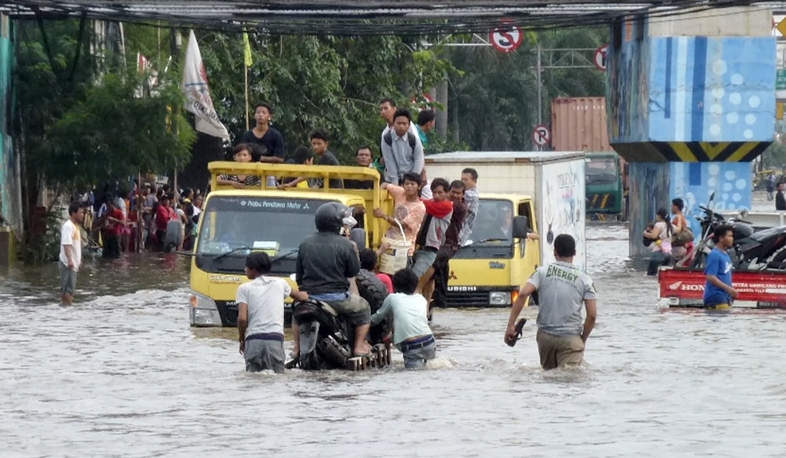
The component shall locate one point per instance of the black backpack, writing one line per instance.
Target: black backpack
(388, 138)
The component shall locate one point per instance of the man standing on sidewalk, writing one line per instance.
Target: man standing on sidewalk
(70, 252)
(562, 291)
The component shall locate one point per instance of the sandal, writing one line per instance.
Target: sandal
(519, 328)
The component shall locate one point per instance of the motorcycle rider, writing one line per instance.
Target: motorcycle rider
(326, 262)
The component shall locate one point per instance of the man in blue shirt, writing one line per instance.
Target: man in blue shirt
(718, 292)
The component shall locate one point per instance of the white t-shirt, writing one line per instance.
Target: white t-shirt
(265, 299)
(70, 235)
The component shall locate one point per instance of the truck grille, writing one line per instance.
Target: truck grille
(468, 299)
(596, 201)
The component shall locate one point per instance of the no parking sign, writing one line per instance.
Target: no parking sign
(506, 38)
(541, 136)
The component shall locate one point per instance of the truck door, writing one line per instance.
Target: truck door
(529, 250)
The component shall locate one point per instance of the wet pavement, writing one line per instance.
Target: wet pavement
(122, 374)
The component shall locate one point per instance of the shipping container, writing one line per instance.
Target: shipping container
(579, 124)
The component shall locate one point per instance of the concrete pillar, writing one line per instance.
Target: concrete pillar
(692, 102)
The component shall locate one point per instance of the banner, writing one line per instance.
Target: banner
(198, 94)
(247, 51)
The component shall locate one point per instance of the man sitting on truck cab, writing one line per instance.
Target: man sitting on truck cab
(325, 263)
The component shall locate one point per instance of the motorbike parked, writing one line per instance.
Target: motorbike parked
(753, 249)
(326, 338)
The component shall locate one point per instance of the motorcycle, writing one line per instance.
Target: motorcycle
(752, 250)
(326, 338)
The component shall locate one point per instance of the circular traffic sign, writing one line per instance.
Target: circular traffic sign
(506, 38)
(600, 57)
(541, 136)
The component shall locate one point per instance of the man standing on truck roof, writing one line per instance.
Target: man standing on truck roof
(426, 122)
(562, 290)
(265, 135)
(401, 149)
(363, 158)
(325, 263)
(387, 110)
(718, 292)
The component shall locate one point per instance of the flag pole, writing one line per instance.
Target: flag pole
(245, 65)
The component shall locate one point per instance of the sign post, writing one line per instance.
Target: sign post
(541, 136)
(600, 56)
(506, 38)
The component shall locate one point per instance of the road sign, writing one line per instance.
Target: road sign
(541, 136)
(506, 38)
(600, 57)
(782, 27)
(780, 84)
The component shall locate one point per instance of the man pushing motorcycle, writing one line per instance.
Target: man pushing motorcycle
(326, 262)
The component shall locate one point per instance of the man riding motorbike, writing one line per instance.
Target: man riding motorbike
(326, 262)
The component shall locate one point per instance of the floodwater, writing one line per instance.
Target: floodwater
(121, 374)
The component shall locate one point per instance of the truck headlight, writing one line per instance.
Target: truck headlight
(203, 311)
(499, 298)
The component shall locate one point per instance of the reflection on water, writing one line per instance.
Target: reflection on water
(122, 374)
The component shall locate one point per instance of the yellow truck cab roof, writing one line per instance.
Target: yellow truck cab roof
(346, 199)
(505, 196)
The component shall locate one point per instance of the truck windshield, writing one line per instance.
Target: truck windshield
(495, 224)
(601, 170)
(273, 225)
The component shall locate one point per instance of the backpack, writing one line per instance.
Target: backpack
(388, 138)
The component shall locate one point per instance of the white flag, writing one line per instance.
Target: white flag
(198, 94)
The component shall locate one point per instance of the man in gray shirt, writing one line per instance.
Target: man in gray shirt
(401, 149)
(562, 291)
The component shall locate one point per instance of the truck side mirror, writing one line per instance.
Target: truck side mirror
(520, 227)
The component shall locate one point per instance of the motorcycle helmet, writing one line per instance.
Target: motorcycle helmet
(332, 216)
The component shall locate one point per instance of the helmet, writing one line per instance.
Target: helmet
(332, 216)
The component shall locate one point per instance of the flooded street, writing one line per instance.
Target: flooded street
(122, 374)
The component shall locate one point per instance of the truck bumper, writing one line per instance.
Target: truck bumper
(481, 297)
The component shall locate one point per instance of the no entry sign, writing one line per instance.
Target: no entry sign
(506, 38)
(600, 57)
(541, 136)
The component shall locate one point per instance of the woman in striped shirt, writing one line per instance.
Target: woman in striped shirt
(242, 153)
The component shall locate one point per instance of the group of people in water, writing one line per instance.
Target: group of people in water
(670, 241)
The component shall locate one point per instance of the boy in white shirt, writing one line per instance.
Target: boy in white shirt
(260, 315)
(70, 252)
(411, 334)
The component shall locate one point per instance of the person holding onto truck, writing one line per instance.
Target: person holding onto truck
(242, 154)
(718, 291)
(408, 210)
(435, 280)
(563, 289)
(325, 263)
(363, 158)
(469, 177)
(260, 315)
(319, 143)
(302, 156)
(431, 237)
(411, 334)
(401, 149)
(426, 122)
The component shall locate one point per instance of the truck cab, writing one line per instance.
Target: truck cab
(489, 269)
(236, 222)
(604, 187)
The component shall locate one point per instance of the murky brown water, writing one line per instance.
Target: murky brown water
(122, 374)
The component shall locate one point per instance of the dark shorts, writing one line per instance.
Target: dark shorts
(67, 279)
(422, 260)
(264, 355)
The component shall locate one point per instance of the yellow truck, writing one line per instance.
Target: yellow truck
(545, 187)
(235, 222)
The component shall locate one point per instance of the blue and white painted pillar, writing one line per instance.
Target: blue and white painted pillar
(690, 112)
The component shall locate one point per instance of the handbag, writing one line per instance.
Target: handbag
(682, 238)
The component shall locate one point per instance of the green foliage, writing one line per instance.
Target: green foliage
(774, 157)
(111, 133)
(47, 247)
